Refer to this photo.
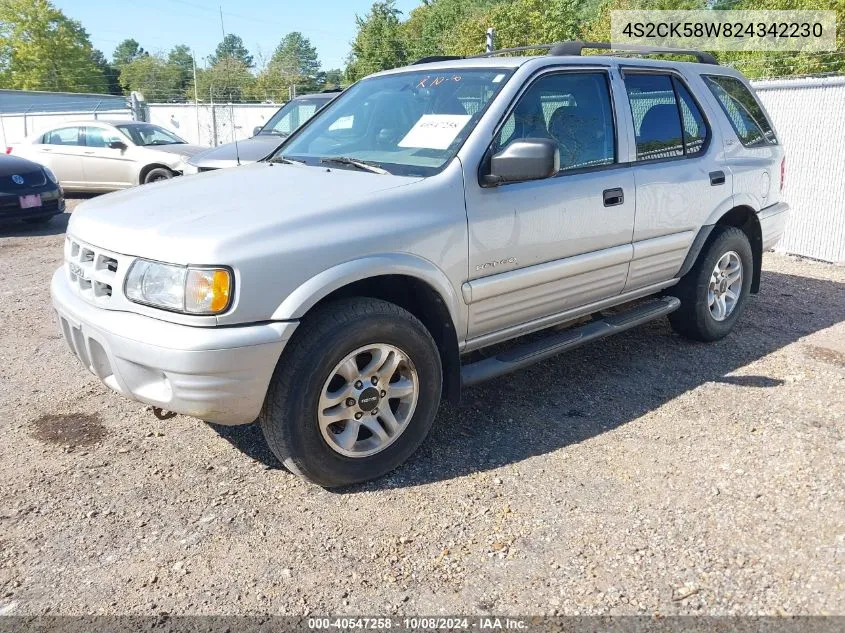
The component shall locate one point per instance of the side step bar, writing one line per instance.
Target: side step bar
(558, 342)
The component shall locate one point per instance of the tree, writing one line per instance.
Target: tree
(519, 23)
(111, 73)
(42, 49)
(153, 77)
(231, 46)
(432, 28)
(127, 51)
(379, 43)
(228, 80)
(333, 78)
(296, 59)
(182, 58)
(294, 64)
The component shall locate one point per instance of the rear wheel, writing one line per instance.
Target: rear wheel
(354, 394)
(714, 292)
(158, 174)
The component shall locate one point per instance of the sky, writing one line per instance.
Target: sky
(158, 25)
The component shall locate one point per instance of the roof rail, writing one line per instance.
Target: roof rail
(576, 48)
(436, 58)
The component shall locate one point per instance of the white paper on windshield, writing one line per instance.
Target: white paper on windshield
(435, 131)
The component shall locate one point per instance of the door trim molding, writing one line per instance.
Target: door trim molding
(514, 280)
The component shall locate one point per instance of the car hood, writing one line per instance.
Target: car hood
(249, 150)
(183, 149)
(206, 218)
(11, 165)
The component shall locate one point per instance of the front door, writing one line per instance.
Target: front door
(542, 247)
(106, 167)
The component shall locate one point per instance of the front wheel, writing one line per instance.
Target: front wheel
(714, 292)
(354, 394)
(158, 174)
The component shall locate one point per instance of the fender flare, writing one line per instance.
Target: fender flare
(739, 200)
(309, 293)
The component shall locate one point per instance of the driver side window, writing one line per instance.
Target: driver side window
(573, 109)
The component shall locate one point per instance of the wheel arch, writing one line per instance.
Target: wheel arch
(405, 280)
(743, 217)
(148, 168)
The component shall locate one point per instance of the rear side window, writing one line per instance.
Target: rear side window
(573, 109)
(742, 109)
(62, 136)
(667, 121)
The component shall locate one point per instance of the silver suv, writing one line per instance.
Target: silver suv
(335, 290)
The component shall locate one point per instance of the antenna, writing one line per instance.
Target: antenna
(231, 106)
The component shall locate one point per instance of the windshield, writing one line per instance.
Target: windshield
(291, 115)
(148, 134)
(411, 123)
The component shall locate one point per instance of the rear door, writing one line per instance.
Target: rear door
(681, 178)
(540, 248)
(756, 159)
(61, 150)
(105, 167)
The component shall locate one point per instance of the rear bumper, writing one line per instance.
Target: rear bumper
(773, 223)
(218, 374)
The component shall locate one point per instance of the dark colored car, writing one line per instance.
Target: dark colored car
(267, 138)
(28, 191)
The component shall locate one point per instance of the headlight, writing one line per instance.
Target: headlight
(193, 290)
(49, 173)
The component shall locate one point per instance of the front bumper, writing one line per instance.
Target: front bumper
(218, 374)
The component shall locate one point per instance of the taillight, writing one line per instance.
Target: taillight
(8, 150)
(782, 172)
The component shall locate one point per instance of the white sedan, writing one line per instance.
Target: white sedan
(107, 155)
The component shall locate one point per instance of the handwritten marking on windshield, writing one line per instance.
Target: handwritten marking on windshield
(429, 82)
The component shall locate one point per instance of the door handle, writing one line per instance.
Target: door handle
(89, 153)
(46, 149)
(717, 178)
(613, 197)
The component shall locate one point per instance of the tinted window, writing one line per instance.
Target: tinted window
(574, 109)
(292, 115)
(742, 109)
(657, 122)
(695, 129)
(62, 136)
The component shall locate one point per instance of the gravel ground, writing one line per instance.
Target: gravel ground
(643, 474)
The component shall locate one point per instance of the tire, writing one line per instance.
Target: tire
(695, 319)
(157, 174)
(314, 365)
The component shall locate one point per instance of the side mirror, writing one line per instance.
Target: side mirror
(117, 145)
(524, 159)
(257, 129)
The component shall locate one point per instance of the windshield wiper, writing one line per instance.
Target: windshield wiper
(360, 164)
(286, 161)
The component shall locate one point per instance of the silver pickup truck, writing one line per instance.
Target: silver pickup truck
(336, 290)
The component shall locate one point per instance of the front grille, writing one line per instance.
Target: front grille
(13, 203)
(30, 179)
(92, 271)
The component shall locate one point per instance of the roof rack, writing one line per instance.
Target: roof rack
(436, 58)
(576, 48)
